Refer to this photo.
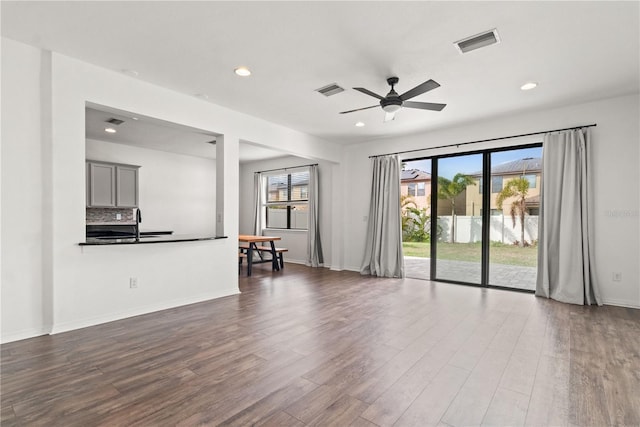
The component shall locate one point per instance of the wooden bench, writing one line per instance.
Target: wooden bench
(279, 252)
(241, 256)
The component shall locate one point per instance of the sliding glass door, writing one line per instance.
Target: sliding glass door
(516, 176)
(474, 219)
(415, 201)
(459, 225)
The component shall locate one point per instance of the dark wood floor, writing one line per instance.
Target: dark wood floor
(315, 347)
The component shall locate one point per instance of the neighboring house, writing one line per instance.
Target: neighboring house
(530, 168)
(278, 186)
(417, 185)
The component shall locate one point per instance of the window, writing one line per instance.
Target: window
(496, 184)
(411, 189)
(532, 180)
(421, 189)
(287, 200)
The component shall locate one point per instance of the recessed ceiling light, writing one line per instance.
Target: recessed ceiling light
(110, 130)
(359, 124)
(529, 86)
(134, 118)
(242, 71)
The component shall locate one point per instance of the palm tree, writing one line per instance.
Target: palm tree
(449, 190)
(518, 188)
(406, 203)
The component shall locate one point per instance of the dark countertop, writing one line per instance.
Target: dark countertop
(168, 238)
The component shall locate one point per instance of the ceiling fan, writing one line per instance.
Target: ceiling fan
(393, 102)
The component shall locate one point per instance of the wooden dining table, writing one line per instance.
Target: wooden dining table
(253, 247)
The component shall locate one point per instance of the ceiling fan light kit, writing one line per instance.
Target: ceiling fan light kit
(392, 102)
(242, 71)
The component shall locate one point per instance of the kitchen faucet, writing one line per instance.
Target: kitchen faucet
(138, 221)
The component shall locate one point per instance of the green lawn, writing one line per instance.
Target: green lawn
(498, 253)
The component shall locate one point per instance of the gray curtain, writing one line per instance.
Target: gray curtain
(314, 246)
(383, 250)
(258, 211)
(565, 232)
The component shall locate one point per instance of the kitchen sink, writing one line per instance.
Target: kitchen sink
(126, 237)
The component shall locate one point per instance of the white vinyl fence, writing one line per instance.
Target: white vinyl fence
(469, 229)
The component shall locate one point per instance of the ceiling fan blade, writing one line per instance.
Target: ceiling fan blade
(420, 89)
(359, 109)
(389, 116)
(424, 105)
(368, 92)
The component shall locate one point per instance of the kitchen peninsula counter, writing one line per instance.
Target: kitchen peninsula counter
(168, 238)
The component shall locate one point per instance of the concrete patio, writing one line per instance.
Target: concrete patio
(510, 276)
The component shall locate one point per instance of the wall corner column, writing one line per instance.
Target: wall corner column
(227, 190)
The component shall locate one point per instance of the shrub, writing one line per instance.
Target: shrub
(416, 225)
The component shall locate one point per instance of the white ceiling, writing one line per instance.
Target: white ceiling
(147, 132)
(576, 51)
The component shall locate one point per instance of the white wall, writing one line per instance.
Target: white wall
(176, 192)
(294, 240)
(616, 173)
(22, 198)
(69, 286)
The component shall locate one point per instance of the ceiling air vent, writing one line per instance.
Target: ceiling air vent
(331, 89)
(479, 40)
(115, 121)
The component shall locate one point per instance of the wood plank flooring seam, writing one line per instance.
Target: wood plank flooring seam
(293, 416)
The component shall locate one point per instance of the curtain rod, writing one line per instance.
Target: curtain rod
(284, 169)
(484, 140)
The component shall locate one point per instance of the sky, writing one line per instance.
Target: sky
(472, 163)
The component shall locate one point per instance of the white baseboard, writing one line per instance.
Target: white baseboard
(23, 334)
(304, 262)
(137, 311)
(620, 303)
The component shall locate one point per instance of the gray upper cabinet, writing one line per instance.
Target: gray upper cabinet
(112, 185)
(127, 186)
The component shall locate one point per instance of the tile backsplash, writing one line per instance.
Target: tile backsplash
(101, 215)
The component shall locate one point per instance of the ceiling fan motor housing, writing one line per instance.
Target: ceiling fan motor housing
(392, 102)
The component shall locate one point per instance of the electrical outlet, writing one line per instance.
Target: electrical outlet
(617, 277)
(133, 282)
(118, 217)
